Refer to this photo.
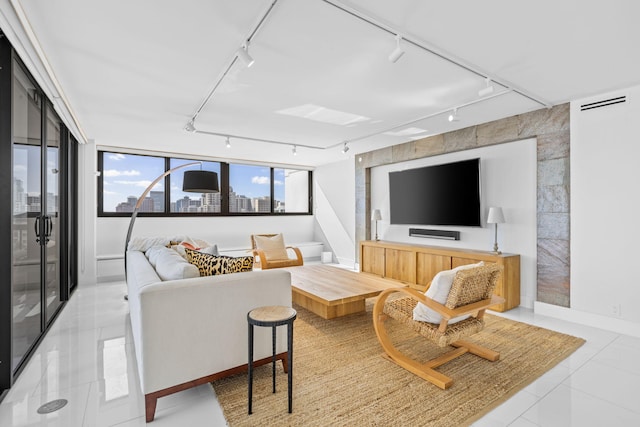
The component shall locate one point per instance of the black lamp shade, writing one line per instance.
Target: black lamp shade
(200, 181)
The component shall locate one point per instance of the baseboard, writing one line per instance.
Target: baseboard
(589, 319)
(113, 278)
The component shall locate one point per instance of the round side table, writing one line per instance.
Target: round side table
(272, 316)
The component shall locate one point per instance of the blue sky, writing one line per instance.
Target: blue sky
(127, 175)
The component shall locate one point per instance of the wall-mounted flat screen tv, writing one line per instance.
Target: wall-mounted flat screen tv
(445, 194)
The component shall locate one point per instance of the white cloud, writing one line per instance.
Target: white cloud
(260, 180)
(110, 192)
(142, 183)
(117, 156)
(278, 182)
(115, 172)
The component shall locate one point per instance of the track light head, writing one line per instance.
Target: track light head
(397, 52)
(345, 148)
(228, 144)
(453, 117)
(294, 150)
(486, 90)
(190, 127)
(243, 54)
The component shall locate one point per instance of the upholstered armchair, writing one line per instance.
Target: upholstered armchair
(272, 252)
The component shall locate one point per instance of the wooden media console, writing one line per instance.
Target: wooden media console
(416, 265)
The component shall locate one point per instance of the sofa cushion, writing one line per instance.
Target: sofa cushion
(210, 265)
(170, 265)
(439, 291)
(152, 254)
(272, 246)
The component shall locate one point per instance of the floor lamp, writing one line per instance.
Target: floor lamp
(195, 181)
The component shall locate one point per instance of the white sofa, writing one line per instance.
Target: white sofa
(191, 331)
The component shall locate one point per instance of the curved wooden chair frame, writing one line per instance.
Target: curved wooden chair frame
(266, 264)
(441, 334)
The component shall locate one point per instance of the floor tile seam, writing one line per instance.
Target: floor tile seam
(86, 403)
(540, 398)
(626, 346)
(91, 423)
(521, 415)
(619, 369)
(591, 394)
(603, 362)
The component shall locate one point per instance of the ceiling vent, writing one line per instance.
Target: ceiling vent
(603, 103)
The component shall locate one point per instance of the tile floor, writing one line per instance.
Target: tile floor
(87, 358)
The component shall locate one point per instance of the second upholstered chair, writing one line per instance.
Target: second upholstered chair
(272, 252)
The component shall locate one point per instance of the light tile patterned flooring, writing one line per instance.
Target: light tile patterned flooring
(88, 358)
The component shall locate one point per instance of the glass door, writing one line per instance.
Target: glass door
(51, 215)
(27, 223)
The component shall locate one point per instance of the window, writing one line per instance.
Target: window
(291, 190)
(190, 202)
(244, 189)
(249, 189)
(125, 177)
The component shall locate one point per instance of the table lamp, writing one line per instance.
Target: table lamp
(375, 216)
(495, 217)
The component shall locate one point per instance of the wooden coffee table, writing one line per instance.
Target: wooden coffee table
(332, 292)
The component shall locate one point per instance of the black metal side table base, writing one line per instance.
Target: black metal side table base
(272, 316)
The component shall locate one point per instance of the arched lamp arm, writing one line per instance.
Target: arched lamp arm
(139, 203)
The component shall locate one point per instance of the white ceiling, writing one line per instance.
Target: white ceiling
(136, 71)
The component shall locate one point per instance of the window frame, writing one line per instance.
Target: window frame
(224, 190)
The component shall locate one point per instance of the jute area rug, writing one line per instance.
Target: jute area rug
(340, 378)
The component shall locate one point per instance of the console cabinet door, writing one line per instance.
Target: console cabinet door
(373, 260)
(428, 265)
(400, 265)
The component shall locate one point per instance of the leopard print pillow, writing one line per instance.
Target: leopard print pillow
(211, 265)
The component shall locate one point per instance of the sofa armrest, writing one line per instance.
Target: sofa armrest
(192, 328)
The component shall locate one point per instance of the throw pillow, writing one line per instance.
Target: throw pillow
(143, 244)
(211, 250)
(272, 246)
(152, 254)
(210, 265)
(171, 266)
(180, 250)
(439, 291)
(193, 244)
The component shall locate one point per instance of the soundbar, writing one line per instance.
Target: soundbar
(434, 234)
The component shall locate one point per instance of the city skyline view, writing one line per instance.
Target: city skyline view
(126, 176)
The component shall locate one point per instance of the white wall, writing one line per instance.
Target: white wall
(605, 206)
(87, 182)
(508, 179)
(335, 209)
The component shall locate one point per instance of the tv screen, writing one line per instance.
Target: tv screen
(446, 194)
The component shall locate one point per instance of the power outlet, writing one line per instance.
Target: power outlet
(616, 310)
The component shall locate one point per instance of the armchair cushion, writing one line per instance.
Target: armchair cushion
(272, 246)
(439, 291)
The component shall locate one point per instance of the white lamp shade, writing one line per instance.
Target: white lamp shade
(375, 215)
(495, 216)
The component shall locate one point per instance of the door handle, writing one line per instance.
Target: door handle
(50, 230)
(36, 226)
(48, 227)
